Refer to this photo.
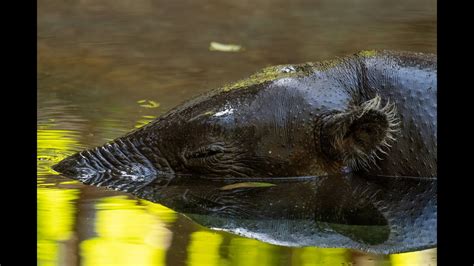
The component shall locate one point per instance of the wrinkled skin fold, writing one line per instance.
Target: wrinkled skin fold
(370, 113)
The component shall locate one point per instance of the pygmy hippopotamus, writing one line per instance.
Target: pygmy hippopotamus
(372, 113)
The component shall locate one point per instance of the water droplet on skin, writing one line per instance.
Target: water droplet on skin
(288, 69)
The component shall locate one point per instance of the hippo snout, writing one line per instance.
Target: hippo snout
(74, 166)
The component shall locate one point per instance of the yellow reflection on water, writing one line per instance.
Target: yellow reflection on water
(323, 256)
(249, 252)
(145, 119)
(165, 214)
(127, 234)
(204, 249)
(424, 257)
(53, 146)
(55, 213)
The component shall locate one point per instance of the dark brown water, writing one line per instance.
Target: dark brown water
(108, 66)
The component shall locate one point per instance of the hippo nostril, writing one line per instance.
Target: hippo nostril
(59, 167)
(72, 166)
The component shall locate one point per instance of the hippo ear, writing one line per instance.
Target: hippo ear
(356, 136)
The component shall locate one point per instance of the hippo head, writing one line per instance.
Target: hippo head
(283, 121)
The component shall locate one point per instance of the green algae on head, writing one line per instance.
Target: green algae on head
(288, 71)
(272, 73)
(266, 74)
(367, 53)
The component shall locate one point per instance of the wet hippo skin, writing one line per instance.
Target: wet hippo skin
(370, 113)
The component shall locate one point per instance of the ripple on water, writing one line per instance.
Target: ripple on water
(53, 146)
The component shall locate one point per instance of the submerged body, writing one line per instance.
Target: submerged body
(372, 113)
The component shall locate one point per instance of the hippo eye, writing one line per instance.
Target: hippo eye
(206, 152)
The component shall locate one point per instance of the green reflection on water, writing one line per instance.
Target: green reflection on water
(144, 120)
(53, 146)
(310, 256)
(127, 234)
(165, 214)
(423, 257)
(55, 222)
(204, 249)
(245, 251)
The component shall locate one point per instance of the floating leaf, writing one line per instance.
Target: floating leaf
(215, 46)
(247, 185)
(149, 104)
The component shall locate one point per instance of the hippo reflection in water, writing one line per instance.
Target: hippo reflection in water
(374, 214)
(370, 115)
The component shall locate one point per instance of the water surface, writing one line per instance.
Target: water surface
(106, 67)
